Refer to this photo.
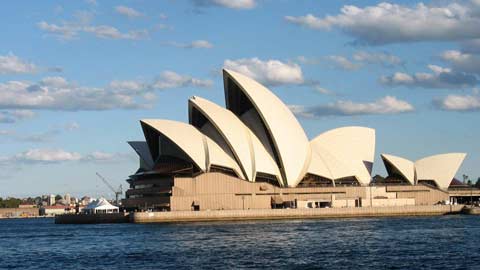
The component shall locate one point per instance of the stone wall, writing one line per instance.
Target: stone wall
(18, 212)
(189, 216)
(217, 191)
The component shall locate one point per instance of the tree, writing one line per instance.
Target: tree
(58, 197)
(10, 203)
(477, 184)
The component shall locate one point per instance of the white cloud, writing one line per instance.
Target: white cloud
(99, 156)
(323, 91)
(48, 156)
(458, 103)
(110, 32)
(269, 72)
(64, 31)
(72, 126)
(13, 116)
(196, 44)
(463, 61)
(11, 64)
(170, 79)
(385, 105)
(128, 11)
(343, 62)
(235, 4)
(56, 93)
(379, 58)
(133, 86)
(443, 78)
(71, 30)
(358, 60)
(307, 60)
(392, 23)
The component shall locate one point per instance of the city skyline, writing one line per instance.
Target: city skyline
(75, 83)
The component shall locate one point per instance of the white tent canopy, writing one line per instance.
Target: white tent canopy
(100, 206)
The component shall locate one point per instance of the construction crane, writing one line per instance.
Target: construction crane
(117, 192)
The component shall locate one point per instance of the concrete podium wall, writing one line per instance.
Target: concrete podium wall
(189, 216)
(217, 191)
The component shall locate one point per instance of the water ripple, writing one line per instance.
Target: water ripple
(449, 242)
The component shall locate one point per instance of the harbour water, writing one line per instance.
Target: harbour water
(446, 242)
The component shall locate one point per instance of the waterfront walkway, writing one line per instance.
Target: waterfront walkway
(258, 214)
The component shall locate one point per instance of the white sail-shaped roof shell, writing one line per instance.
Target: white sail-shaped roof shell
(248, 150)
(352, 149)
(288, 137)
(141, 148)
(336, 167)
(216, 156)
(439, 168)
(403, 166)
(263, 160)
(319, 167)
(203, 151)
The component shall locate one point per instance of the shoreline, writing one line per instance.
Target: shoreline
(35, 217)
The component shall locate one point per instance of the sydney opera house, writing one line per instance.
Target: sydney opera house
(254, 154)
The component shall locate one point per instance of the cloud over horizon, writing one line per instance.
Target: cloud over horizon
(233, 4)
(388, 23)
(128, 12)
(196, 44)
(12, 64)
(51, 156)
(56, 93)
(439, 78)
(82, 23)
(466, 62)
(270, 72)
(385, 105)
(460, 103)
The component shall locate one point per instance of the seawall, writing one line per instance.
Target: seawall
(270, 214)
(18, 212)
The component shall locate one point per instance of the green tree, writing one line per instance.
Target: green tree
(10, 203)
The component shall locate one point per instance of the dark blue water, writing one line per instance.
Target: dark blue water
(448, 242)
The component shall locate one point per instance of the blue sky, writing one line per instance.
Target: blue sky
(76, 76)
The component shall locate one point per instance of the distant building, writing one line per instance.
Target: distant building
(51, 199)
(55, 210)
(86, 200)
(68, 199)
(27, 205)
